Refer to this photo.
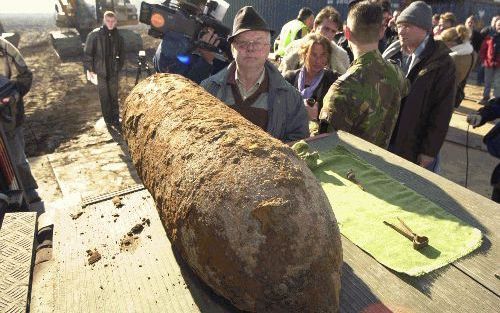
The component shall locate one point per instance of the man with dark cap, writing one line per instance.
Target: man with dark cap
(252, 86)
(426, 112)
(294, 29)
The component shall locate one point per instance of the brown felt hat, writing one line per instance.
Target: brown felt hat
(248, 19)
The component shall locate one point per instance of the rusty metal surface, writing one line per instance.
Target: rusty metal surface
(16, 257)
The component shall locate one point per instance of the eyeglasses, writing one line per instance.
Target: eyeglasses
(255, 44)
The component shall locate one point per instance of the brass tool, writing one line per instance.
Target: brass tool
(419, 242)
(352, 177)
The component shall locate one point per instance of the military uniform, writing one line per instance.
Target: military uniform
(365, 100)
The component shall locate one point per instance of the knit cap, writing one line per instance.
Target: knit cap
(417, 13)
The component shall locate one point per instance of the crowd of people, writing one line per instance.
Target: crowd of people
(391, 78)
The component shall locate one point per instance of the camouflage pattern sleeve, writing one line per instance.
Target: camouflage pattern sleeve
(365, 101)
(342, 108)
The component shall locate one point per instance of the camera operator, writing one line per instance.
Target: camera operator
(174, 53)
(15, 81)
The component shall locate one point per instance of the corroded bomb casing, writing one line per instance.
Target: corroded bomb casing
(244, 212)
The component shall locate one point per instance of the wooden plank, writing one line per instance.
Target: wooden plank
(146, 278)
(366, 284)
(172, 286)
(17, 236)
(470, 207)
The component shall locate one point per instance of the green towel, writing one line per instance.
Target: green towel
(361, 214)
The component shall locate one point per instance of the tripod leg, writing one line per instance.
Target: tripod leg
(148, 70)
(138, 74)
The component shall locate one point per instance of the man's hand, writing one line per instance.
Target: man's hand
(474, 120)
(425, 160)
(312, 111)
(10, 99)
(211, 38)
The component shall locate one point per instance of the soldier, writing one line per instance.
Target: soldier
(104, 57)
(13, 68)
(365, 101)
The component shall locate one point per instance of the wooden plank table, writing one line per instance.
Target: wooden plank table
(467, 285)
(147, 275)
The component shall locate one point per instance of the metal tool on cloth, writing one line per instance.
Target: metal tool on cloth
(419, 242)
(350, 175)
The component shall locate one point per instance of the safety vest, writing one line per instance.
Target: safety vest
(289, 33)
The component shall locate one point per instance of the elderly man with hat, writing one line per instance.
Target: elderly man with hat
(426, 112)
(253, 87)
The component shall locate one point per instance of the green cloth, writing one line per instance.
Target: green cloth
(360, 215)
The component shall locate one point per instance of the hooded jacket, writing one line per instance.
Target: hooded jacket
(464, 57)
(426, 112)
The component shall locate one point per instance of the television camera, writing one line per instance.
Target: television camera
(189, 18)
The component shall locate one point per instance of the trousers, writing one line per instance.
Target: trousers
(15, 142)
(108, 96)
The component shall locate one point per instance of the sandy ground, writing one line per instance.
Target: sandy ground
(71, 151)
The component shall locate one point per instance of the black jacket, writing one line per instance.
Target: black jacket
(104, 52)
(319, 93)
(425, 113)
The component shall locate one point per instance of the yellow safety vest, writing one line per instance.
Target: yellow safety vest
(288, 34)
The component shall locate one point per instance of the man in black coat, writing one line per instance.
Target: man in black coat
(104, 57)
(426, 112)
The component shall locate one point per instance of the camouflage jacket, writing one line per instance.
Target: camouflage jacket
(13, 67)
(365, 100)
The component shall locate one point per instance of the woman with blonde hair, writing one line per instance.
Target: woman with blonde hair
(313, 79)
(458, 40)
